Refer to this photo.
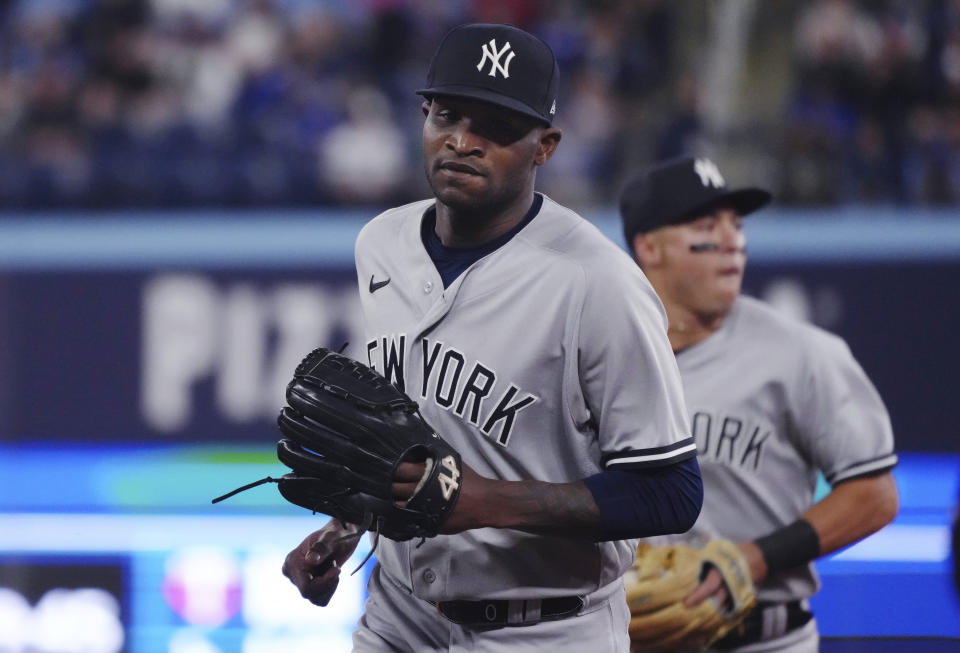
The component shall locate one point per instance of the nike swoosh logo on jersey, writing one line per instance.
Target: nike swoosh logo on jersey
(377, 285)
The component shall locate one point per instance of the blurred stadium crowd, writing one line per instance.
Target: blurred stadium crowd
(189, 103)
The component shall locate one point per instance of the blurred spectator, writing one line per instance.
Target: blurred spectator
(120, 103)
(364, 160)
(855, 132)
(683, 133)
(932, 166)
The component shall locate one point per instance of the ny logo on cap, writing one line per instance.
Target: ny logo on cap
(494, 56)
(709, 173)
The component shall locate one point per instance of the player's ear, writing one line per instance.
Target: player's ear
(547, 144)
(647, 250)
(425, 107)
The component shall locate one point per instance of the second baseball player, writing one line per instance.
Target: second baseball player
(772, 401)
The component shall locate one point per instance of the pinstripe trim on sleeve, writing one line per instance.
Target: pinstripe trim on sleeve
(863, 468)
(653, 457)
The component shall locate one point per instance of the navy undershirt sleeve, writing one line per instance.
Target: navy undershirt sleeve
(647, 502)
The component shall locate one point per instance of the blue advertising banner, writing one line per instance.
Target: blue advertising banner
(186, 330)
(165, 355)
(897, 319)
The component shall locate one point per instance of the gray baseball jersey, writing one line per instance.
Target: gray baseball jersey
(546, 359)
(772, 401)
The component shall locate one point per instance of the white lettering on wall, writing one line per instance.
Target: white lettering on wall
(180, 333)
(243, 337)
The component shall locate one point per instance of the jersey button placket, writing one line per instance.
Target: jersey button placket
(429, 576)
(427, 287)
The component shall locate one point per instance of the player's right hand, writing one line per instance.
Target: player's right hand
(314, 566)
(712, 584)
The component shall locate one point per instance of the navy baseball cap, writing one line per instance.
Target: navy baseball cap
(678, 191)
(499, 64)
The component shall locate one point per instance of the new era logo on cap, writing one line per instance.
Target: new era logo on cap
(499, 64)
(680, 190)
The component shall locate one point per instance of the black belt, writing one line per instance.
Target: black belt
(751, 629)
(513, 612)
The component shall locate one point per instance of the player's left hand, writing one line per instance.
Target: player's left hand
(473, 509)
(405, 481)
(347, 430)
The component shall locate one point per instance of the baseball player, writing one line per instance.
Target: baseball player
(538, 350)
(772, 401)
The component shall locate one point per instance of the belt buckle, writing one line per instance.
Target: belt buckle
(503, 612)
(473, 613)
(490, 613)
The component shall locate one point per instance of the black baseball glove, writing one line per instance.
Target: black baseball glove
(347, 429)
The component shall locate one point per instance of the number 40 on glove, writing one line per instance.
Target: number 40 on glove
(346, 430)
